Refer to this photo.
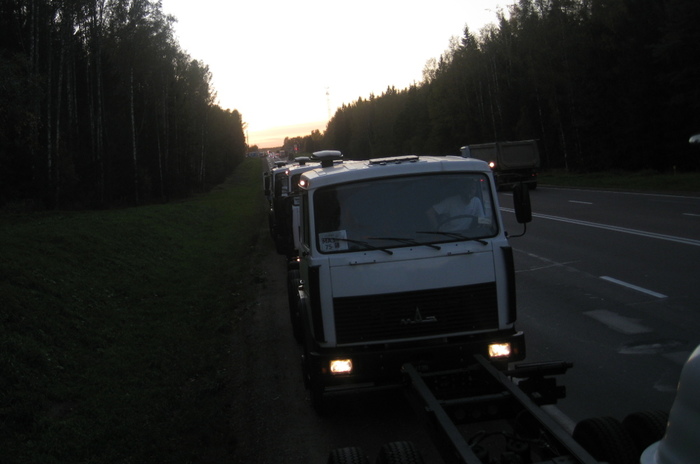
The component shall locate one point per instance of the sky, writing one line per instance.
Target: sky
(286, 66)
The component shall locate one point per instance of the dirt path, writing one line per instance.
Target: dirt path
(274, 421)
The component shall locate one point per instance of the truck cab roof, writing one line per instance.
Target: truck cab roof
(383, 167)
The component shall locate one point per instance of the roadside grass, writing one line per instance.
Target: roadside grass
(117, 325)
(645, 181)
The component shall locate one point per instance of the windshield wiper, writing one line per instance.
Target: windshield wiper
(408, 241)
(364, 244)
(453, 235)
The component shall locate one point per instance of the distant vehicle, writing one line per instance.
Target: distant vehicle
(511, 162)
(284, 205)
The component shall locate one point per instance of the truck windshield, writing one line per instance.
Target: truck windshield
(407, 211)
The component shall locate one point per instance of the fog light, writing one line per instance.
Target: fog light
(341, 366)
(499, 350)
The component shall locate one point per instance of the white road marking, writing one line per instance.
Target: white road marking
(613, 192)
(549, 263)
(634, 287)
(581, 202)
(670, 238)
(614, 321)
(691, 214)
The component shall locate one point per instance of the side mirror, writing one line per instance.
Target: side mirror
(521, 202)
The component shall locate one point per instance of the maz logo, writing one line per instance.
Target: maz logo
(418, 319)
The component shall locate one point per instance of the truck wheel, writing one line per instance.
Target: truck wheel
(399, 452)
(314, 383)
(606, 440)
(318, 399)
(280, 244)
(304, 372)
(349, 455)
(646, 427)
(293, 279)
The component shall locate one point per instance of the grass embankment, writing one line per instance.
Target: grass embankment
(116, 328)
(645, 181)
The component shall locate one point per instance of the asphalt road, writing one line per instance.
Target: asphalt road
(609, 281)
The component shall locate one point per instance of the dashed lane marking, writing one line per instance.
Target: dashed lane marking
(634, 287)
(614, 321)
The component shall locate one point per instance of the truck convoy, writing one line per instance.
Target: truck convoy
(400, 274)
(511, 162)
(281, 185)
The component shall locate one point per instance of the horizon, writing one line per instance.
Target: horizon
(274, 136)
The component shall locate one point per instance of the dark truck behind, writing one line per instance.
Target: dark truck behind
(511, 162)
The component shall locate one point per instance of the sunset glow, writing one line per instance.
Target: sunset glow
(287, 65)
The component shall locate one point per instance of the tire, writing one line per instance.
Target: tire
(271, 223)
(399, 452)
(606, 440)
(646, 427)
(280, 243)
(313, 379)
(349, 455)
(293, 279)
(314, 383)
(318, 398)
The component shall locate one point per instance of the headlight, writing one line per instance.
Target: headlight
(499, 350)
(341, 366)
(492, 164)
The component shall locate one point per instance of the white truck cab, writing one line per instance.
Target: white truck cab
(401, 260)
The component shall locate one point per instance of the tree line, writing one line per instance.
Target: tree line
(601, 84)
(100, 107)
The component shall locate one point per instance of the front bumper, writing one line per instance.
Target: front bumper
(379, 366)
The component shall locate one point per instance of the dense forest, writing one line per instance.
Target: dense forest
(100, 107)
(601, 84)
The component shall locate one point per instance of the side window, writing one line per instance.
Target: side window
(327, 210)
(485, 195)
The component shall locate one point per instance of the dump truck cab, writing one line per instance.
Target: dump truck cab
(401, 259)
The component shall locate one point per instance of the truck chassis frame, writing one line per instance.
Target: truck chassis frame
(495, 397)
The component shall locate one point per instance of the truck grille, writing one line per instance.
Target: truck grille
(416, 314)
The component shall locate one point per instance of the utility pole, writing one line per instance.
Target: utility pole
(328, 102)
